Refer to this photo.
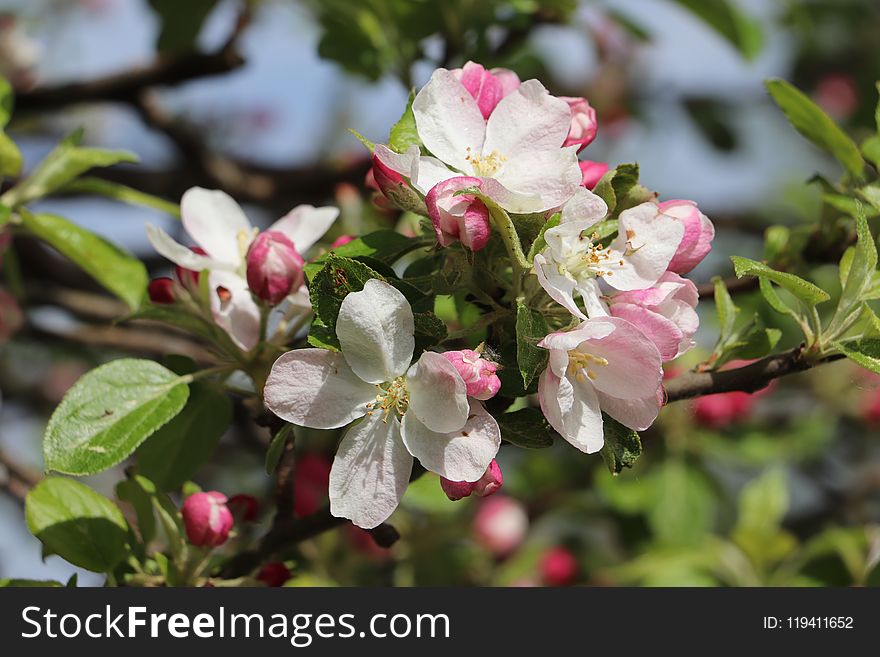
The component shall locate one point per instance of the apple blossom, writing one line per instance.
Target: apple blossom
(665, 313)
(207, 519)
(219, 226)
(419, 410)
(592, 172)
(500, 525)
(161, 290)
(458, 217)
(486, 87)
(698, 235)
(489, 484)
(583, 126)
(605, 364)
(574, 260)
(517, 152)
(478, 373)
(274, 267)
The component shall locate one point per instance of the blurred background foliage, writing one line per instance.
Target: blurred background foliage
(779, 488)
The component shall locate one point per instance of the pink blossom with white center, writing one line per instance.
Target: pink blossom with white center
(517, 152)
(574, 259)
(500, 525)
(698, 235)
(665, 313)
(478, 373)
(419, 410)
(605, 364)
(486, 87)
(583, 123)
(220, 228)
(458, 217)
(592, 172)
(489, 484)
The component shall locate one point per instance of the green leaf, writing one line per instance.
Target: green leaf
(338, 277)
(540, 243)
(180, 23)
(871, 149)
(754, 342)
(864, 352)
(276, 448)
(763, 503)
(386, 246)
(66, 162)
(505, 227)
(139, 492)
(871, 193)
(404, 133)
(774, 300)
(809, 119)
(727, 310)
(176, 452)
(10, 157)
(622, 446)
(115, 269)
(97, 186)
(109, 412)
(429, 330)
(78, 524)
(741, 30)
(370, 145)
(861, 266)
(526, 428)
(803, 290)
(29, 583)
(7, 101)
(322, 337)
(531, 328)
(620, 189)
(684, 505)
(178, 318)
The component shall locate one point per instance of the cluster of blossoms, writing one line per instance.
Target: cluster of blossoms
(489, 146)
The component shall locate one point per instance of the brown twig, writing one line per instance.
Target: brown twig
(734, 286)
(17, 480)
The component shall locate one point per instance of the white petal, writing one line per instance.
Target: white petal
(654, 238)
(637, 414)
(553, 176)
(559, 286)
(591, 293)
(177, 253)
(584, 206)
(573, 411)
(316, 388)
(429, 172)
(370, 472)
(448, 120)
(437, 393)
(305, 225)
(526, 121)
(376, 330)
(214, 220)
(239, 316)
(461, 455)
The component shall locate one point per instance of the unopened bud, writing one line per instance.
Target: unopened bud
(207, 519)
(486, 485)
(558, 567)
(478, 373)
(274, 267)
(583, 123)
(245, 507)
(188, 277)
(592, 172)
(274, 574)
(161, 290)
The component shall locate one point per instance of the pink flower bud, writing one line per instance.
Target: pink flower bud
(393, 186)
(478, 373)
(486, 87)
(187, 277)
(207, 519)
(11, 317)
(698, 235)
(489, 484)
(871, 408)
(583, 123)
(719, 410)
(592, 172)
(558, 567)
(500, 525)
(311, 480)
(838, 95)
(274, 267)
(161, 290)
(462, 217)
(274, 574)
(342, 240)
(245, 507)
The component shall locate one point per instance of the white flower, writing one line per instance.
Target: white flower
(219, 226)
(419, 410)
(517, 151)
(574, 260)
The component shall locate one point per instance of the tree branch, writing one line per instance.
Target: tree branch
(734, 286)
(17, 480)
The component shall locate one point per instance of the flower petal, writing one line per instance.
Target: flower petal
(233, 308)
(552, 177)
(527, 121)
(437, 393)
(177, 253)
(663, 332)
(584, 206)
(305, 225)
(370, 472)
(637, 414)
(448, 120)
(462, 455)
(651, 239)
(316, 388)
(376, 330)
(430, 172)
(559, 286)
(573, 411)
(214, 220)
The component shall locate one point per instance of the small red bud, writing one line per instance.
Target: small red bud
(274, 267)
(207, 519)
(161, 290)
